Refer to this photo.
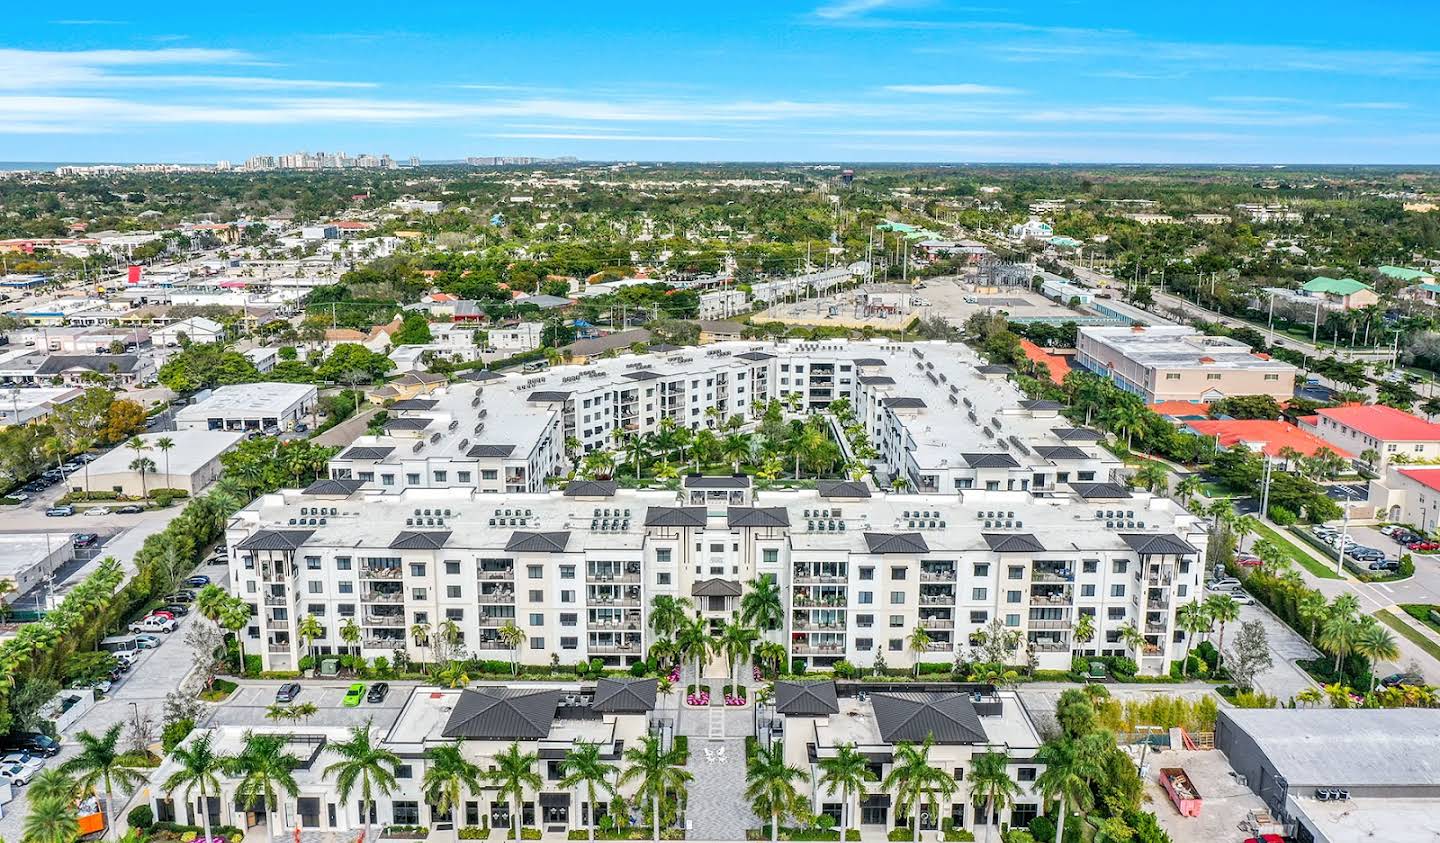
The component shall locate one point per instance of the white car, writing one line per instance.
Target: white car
(98, 510)
(15, 774)
(33, 763)
(153, 623)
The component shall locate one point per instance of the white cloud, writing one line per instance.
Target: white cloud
(846, 9)
(1376, 106)
(241, 83)
(956, 89)
(603, 137)
(48, 70)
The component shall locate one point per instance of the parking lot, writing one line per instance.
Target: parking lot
(247, 706)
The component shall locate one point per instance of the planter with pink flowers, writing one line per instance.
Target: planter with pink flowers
(697, 695)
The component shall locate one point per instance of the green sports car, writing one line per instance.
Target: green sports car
(355, 694)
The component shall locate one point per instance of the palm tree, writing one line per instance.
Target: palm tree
(668, 613)
(1312, 607)
(770, 786)
(420, 635)
(1245, 525)
(761, 607)
(582, 766)
(514, 637)
(308, 630)
(265, 771)
(919, 642)
(1338, 636)
(199, 769)
(1126, 418)
(846, 771)
(771, 653)
(736, 449)
(1191, 618)
(235, 616)
(350, 634)
(1133, 638)
(163, 445)
(1375, 643)
(659, 773)
(899, 484)
(102, 764)
(916, 782)
(365, 763)
(143, 466)
(693, 639)
(990, 783)
(51, 821)
(1189, 488)
(736, 642)
(1065, 779)
(1152, 476)
(446, 773)
(1222, 609)
(1310, 696)
(53, 784)
(512, 774)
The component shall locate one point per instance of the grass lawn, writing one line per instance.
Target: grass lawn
(1216, 490)
(1421, 613)
(1296, 554)
(1414, 635)
(219, 690)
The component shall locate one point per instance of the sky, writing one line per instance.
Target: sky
(825, 80)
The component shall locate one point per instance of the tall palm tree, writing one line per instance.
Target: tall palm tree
(51, 821)
(659, 773)
(513, 774)
(915, 782)
(53, 783)
(770, 786)
(1065, 779)
(514, 637)
(693, 638)
(1375, 643)
(308, 630)
(350, 634)
(420, 635)
(918, 643)
(582, 767)
(846, 771)
(668, 613)
(771, 653)
(1192, 619)
(1312, 607)
(163, 445)
(235, 616)
(991, 784)
(101, 764)
(265, 771)
(1338, 636)
(143, 466)
(199, 771)
(1133, 638)
(736, 448)
(761, 607)
(366, 764)
(737, 642)
(446, 772)
(1084, 631)
(1222, 609)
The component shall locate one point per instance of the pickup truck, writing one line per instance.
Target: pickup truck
(154, 623)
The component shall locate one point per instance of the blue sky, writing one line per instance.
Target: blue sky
(827, 80)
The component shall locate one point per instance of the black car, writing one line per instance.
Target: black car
(287, 692)
(31, 742)
(181, 597)
(377, 692)
(1395, 680)
(176, 609)
(84, 540)
(130, 509)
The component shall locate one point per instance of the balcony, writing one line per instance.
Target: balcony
(939, 647)
(613, 648)
(614, 600)
(1160, 580)
(805, 601)
(491, 644)
(492, 576)
(806, 649)
(377, 643)
(506, 597)
(278, 647)
(1157, 601)
(277, 600)
(937, 599)
(619, 579)
(379, 573)
(811, 577)
(937, 623)
(280, 575)
(382, 597)
(1060, 599)
(1048, 623)
(1047, 576)
(1049, 646)
(389, 621)
(628, 626)
(807, 625)
(1157, 628)
(937, 576)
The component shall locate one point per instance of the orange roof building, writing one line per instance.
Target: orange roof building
(1265, 435)
(1180, 409)
(1058, 365)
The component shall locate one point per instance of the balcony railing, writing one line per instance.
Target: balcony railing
(937, 576)
(805, 576)
(277, 600)
(1049, 646)
(507, 574)
(805, 649)
(376, 643)
(487, 619)
(1048, 623)
(802, 624)
(382, 597)
(380, 573)
(491, 644)
(1046, 576)
(1052, 599)
(939, 646)
(615, 578)
(833, 600)
(632, 626)
(1155, 627)
(278, 647)
(936, 599)
(614, 648)
(496, 597)
(391, 621)
(937, 623)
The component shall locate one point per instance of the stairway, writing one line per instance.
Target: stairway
(717, 722)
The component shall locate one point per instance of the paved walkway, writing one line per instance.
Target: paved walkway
(717, 808)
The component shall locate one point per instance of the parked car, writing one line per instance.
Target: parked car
(353, 695)
(16, 774)
(154, 624)
(1389, 529)
(1399, 679)
(1223, 584)
(60, 511)
(378, 692)
(176, 610)
(287, 692)
(1383, 565)
(1247, 560)
(181, 597)
(130, 509)
(197, 581)
(146, 642)
(33, 763)
(126, 657)
(84, 539)
(161, 613)
(1423, 546)
(18, 497)
(31, 742)
(98, 510)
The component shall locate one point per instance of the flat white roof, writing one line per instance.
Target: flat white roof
(251, 399)
(29, 399)
(193, 450)
(21, 551)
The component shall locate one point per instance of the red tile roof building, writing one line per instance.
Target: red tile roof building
(1271, 437)
(1389, 432)
(1058, 365)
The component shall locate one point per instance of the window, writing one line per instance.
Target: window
(864, 621)
(1090, 566)
(896, 645)
(346, 587)
(864, 643)
(342, 563)
(982, 569)
(537, 643)
(537, 596)
(534, 572)
(897, 573)
(412, 479)
(318, 610)
(462, 477)
(1115, 613)
(346, 610)
(1087, 590)
(316, 587)
(440, 476)
(387, 480)
(569, 618)
(867, 597)
(1182, 590)
(717, 548)
(569, 642)
(452, 591)
(897, 621)
(417, 569)
(567, 595)
(1012, 620)
(978, 593)
(1012, 597)
(1212, 376)
(312, 563)
(867, 573)
(1021, 813)
(406, 811)
(1025, 774)
(489, 474)
(567, 572)
(1017, 572)
(537, 619)
(897, 598)
(455, 615)
(1117, 590)
(1119, 566)
(979, 617)
(770, 555)
(1172, 376)
(662, 579)
(452, 566)
(419, 594)
(662, 554)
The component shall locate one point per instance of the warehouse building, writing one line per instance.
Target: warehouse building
(190, 464)
(251, 406)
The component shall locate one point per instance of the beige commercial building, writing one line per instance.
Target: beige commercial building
(1175, 363)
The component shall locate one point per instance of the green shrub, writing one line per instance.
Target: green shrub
(525, 834)
(639, 669)
(797, 667)
(1123, 667)
(476, 832)
(1080, 665)
(1018, 835)
(253, 665)
(1407, 566)
(141, 816)
(172, 735)
(932, 668)
(307, 662)
(495, 666)
(1282, 516)
(845, 670)
(1042, 828)
(900, 835)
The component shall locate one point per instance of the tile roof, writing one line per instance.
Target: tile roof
(701, 481)
(1057, 365)
(408, 424)
(1077, 434)
(842, 489)
(547, 396)
(869, 361)
(896, 543)
(343, 488)
(481, 375)
(414, 404)
(366, 452)
(757, 516)
(1012, 543)
(528, 542)
(675, 516)
(806, 699)
(1272, 436)
(716, 587)
(420, 540)
(1157, 543)
(1180, 408)
(1384, 423)
(275, 540)
(755, 356)
(947, 717)
(624, 696)
(876, 380)
(490, 451)
(1427, 477)
(1334, 286)
(102, 363)
(591, 489)
(902, 403)
(1061, 452)
(1101, 491)
(1000, 460)
(1041, 404)
(502, 714)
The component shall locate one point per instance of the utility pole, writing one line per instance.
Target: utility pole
(1265, 486)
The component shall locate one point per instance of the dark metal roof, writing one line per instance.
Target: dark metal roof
(1041, 404)
(522, 541)
(715, 587)
(997, 460)
(1157, 543)
(334, 488)
(1061, 452)
(1013, 542)
(757, 516)
(408, 424)
(420, 540)
(994, 369)
(101, 363)
(842, 489)
(591, 489)
(275, 540)
(502, 714)
(640, 375)
(901, 403)
(896, 543)
(700, 481)
(869, 361)
(876, 380)
(624, 696)
(1077, 434)
(948, 717)
(755, 356)
(675, 516)
(806, 699)
(414, 404)
(548, 396)
(1101, 491)
(366, 452)
(481, 375)
(490, 451)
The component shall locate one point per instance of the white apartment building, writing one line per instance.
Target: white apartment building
(548, 721)
(722, 304)
(577, 570)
